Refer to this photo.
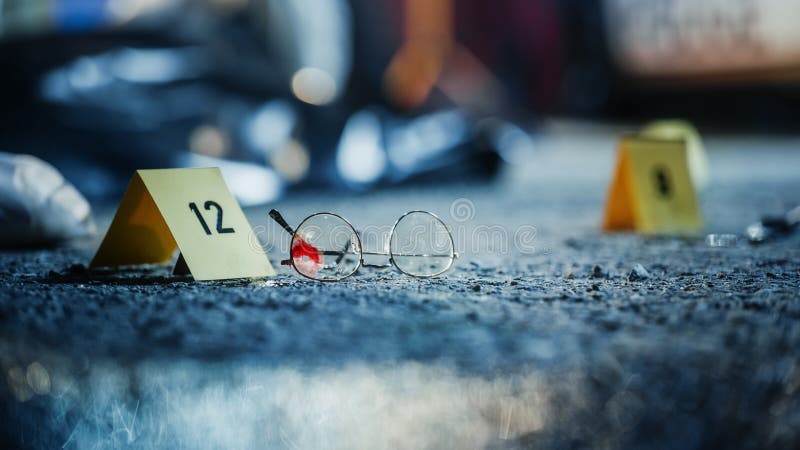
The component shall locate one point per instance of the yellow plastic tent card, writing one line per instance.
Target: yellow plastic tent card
(652, 191)
(189, 209)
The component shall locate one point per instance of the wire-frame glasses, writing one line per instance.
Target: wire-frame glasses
(326, 247)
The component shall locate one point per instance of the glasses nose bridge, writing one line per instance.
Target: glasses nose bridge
(381, 246)
(369, 255)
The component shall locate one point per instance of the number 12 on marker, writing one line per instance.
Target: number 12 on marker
(207, 206)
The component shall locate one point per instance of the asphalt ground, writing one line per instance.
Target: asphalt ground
(544, 334)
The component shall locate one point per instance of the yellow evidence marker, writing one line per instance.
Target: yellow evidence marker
(189, 209)
(695, 151)
(652, 190)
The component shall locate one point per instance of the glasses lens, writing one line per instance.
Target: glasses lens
(421, 245)
(325, 247)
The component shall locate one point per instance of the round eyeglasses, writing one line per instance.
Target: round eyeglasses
(326, 247)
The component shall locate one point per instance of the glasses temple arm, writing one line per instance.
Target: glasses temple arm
(277, 217)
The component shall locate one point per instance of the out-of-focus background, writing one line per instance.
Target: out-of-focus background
(353, 94)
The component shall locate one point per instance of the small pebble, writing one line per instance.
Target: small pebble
(77, 269)
(597, 272)
(638, 273)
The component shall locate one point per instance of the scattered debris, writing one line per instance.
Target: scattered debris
(770, 227)
(77, 269)
(597, 272)
(722, 240)
(638, 273)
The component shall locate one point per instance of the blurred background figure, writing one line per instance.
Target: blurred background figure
(354, 94)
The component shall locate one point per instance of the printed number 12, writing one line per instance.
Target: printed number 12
(207, 206)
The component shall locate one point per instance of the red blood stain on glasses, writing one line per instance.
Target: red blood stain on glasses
(306, 257)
